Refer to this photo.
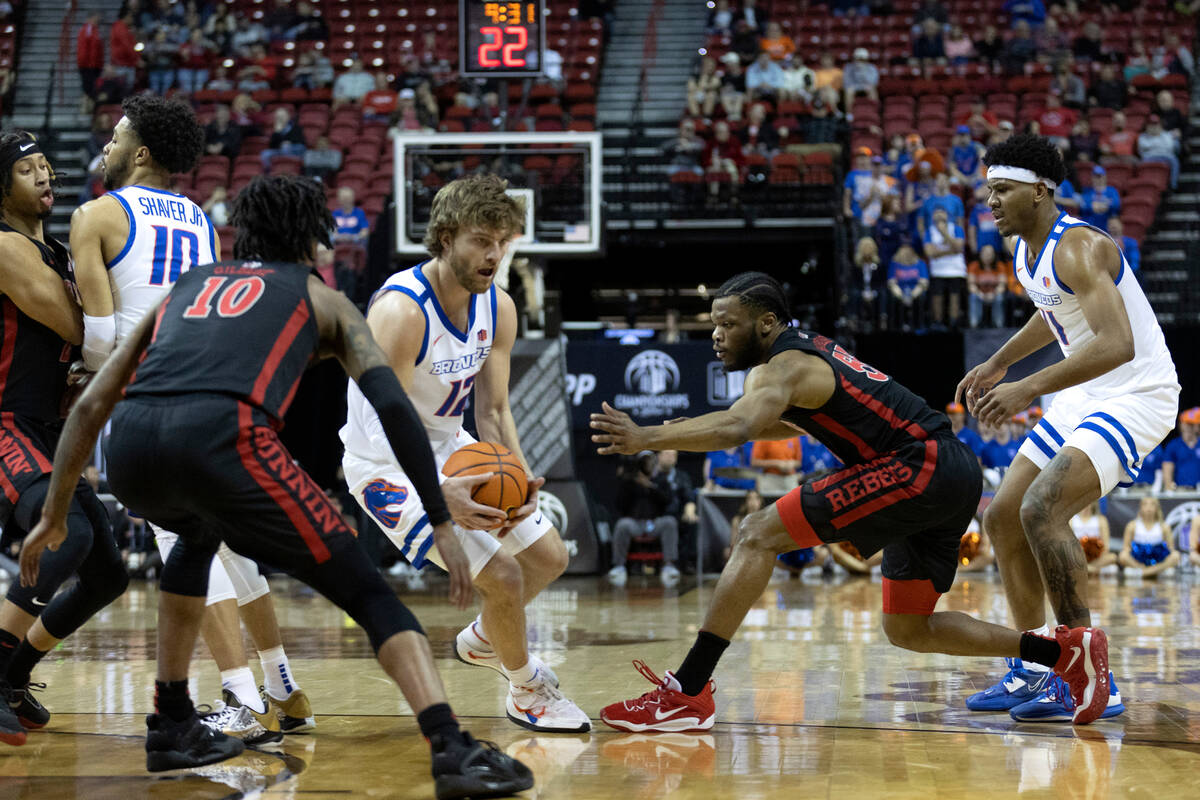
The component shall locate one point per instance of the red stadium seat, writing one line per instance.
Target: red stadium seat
(1155, 171)
(1119, 175)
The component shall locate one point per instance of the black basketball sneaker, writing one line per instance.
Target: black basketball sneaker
(29, 711)
(189, 743)
(469, 768)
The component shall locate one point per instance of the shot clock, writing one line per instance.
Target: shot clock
(501, 40)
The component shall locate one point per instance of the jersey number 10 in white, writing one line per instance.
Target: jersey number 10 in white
(176, 238)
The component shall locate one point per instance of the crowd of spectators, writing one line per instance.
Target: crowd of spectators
(914, 275)
(284, 87)
(196, 47)
(926, 251)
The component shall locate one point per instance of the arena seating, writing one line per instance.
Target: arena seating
(8, 41)
(388, 35)
(928, 99)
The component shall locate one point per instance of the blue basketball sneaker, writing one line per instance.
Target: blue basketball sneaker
(1019, 686)
(1054, 704)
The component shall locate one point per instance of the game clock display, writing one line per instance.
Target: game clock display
(501, 40)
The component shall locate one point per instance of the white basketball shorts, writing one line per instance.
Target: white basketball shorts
(1116, 432)
(389, 497)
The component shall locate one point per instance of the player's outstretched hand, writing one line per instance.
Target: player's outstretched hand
(465, 512)
(619, 433)
(47, 533)
(976, 384)
(519, 515)
(456, 563)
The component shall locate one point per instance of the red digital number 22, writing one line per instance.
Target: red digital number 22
(495, 44)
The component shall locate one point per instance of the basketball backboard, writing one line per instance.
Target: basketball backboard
(561, 172)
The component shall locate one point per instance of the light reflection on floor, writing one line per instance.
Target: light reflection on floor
(812, 702)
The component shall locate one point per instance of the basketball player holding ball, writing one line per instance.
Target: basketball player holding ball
(447, 330)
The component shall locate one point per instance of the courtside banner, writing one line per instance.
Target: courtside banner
(651, 382)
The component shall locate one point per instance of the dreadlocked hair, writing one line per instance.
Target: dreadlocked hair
(760, 291)
(1030, 152)
(168, 129)
(279, 217)
(476, 200)
(6, 176)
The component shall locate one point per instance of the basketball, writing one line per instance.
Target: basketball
(509, 484)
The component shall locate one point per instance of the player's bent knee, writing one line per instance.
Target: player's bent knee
(557, 556)
(908, 631)
(1038, 510)
(1002, 521)
(382, 615)
(187, 568)
(501, 577)
(758, 533)
(111, 587)
(350, 581)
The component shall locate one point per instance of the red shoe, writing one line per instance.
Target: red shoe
(664, 709)
(1083, 664)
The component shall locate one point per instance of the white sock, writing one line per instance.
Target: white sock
(523, 675)
(278, 679)
(1031, 666)
(240, 681)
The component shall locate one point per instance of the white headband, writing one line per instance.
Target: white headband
(1019, 174)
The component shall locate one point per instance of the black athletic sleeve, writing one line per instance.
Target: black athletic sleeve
(401, 425)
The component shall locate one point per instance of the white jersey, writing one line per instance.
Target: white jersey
(1147, 534)
(1151, 367)
(444, 374)
(168, 235)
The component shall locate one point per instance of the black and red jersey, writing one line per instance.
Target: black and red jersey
(243, 329)
(33, 358)
(869, 413)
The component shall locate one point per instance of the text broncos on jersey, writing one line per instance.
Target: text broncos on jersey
(449, 366)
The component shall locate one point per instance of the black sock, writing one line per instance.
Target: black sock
(1039, 649)
(172, 701)
(24, 659)
(701, 660)
(8, 645)
(438, 720)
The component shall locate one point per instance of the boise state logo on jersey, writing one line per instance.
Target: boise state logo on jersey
(1046, 281)
(384, 500)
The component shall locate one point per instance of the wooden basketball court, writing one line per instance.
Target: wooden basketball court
(812, 702)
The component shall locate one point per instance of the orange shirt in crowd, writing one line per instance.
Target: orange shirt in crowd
(781, 450)
(987, 280)
(829, 78)
(778, 49)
